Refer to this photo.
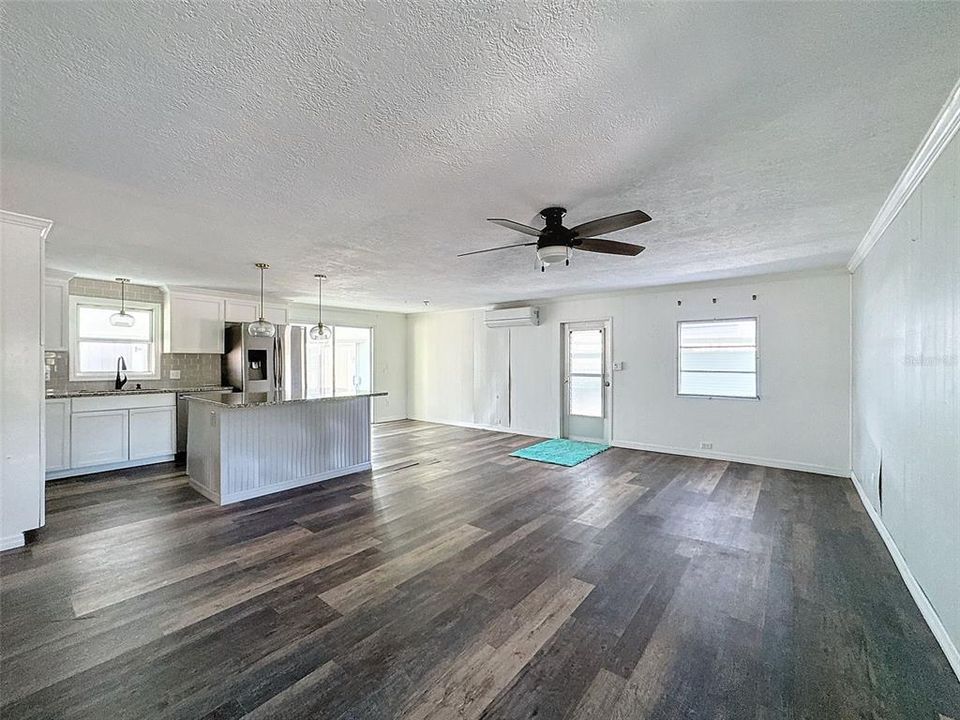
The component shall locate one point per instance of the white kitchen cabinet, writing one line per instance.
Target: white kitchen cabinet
(90, 434)
(240, 311)
(277, 314)
(21, 375)
(100, 437)
(56, 311)
(193, 323)
(58, 434)
(153, 432)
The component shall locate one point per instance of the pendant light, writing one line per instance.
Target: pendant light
(261, 328)
(122, 318)
(320, 331)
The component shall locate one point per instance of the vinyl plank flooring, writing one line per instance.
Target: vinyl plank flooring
(453, 581)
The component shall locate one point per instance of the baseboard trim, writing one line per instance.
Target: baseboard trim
(228, 499)
(732, 457)
(211, 495)
(480, 426)
(916, 592)
(93, 469)
(667, 450)
(10, 542)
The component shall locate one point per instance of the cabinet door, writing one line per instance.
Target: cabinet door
(153, 432)
(98, 438)
(196, 325)
(277, 314)
(58, 434)
(240, 311)
(56, 314)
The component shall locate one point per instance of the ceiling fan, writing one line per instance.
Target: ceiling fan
(555, 243)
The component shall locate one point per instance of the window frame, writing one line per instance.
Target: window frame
(756, 325)
(156, 343)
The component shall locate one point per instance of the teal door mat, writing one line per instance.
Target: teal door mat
(560, 451)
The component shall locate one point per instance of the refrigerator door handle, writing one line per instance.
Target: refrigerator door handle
(278, 362)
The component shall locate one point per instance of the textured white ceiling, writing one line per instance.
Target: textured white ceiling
(180, 143)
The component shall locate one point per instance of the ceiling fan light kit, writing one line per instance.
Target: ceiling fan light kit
(555, 243)
(554, 254)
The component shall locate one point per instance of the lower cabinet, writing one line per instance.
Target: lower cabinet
(99, 438)
(153, 432)
(100, 433)
(58, 434)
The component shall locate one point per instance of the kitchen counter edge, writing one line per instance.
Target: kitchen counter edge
(72, 394)
(263, 403)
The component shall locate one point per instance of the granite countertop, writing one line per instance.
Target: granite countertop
(257, 399)
(56, 394)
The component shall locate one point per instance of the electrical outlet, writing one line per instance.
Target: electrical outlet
(46, 373)
(174, 374)
(704, 445)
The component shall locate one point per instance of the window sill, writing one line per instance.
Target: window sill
(717, 397)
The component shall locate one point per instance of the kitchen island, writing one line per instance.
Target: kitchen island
(246, 445)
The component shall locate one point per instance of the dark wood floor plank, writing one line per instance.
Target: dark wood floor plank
(453, 581)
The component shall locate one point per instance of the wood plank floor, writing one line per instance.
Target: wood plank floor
(453, 581)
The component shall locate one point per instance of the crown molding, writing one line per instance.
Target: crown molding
(12, 218)
(60, 276)
(938, 136)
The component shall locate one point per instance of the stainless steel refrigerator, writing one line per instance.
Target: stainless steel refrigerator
(259, 364)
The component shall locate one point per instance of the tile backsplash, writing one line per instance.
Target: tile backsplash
(195, 370)
(88, 287)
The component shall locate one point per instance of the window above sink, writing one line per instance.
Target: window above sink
(95, 344)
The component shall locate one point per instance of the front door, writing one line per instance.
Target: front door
(586, 381)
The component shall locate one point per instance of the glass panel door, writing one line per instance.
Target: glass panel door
(586, 373)
(352, 356)
(586, 382)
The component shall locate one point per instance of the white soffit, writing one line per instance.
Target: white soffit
(180, 143)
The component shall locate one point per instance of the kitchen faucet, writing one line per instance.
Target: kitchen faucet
(120, 382)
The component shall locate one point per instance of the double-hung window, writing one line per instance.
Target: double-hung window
(717, 358)
(95, 344)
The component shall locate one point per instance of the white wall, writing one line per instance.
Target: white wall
(906, 389)
(21, 376)
(389, 352)
(801, 420)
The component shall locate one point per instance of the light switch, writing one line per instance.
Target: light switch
(618, 366)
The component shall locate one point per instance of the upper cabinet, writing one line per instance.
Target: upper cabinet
(193, 319)
(236, 310)
(193, 323)
(240, 310)
(56, 310)
(277, 314)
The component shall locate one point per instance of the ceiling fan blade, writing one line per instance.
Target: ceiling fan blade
(502, 247)
(610, 247)
(610, 224)
(519, 227)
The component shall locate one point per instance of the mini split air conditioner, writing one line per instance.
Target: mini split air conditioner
(512, 317)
